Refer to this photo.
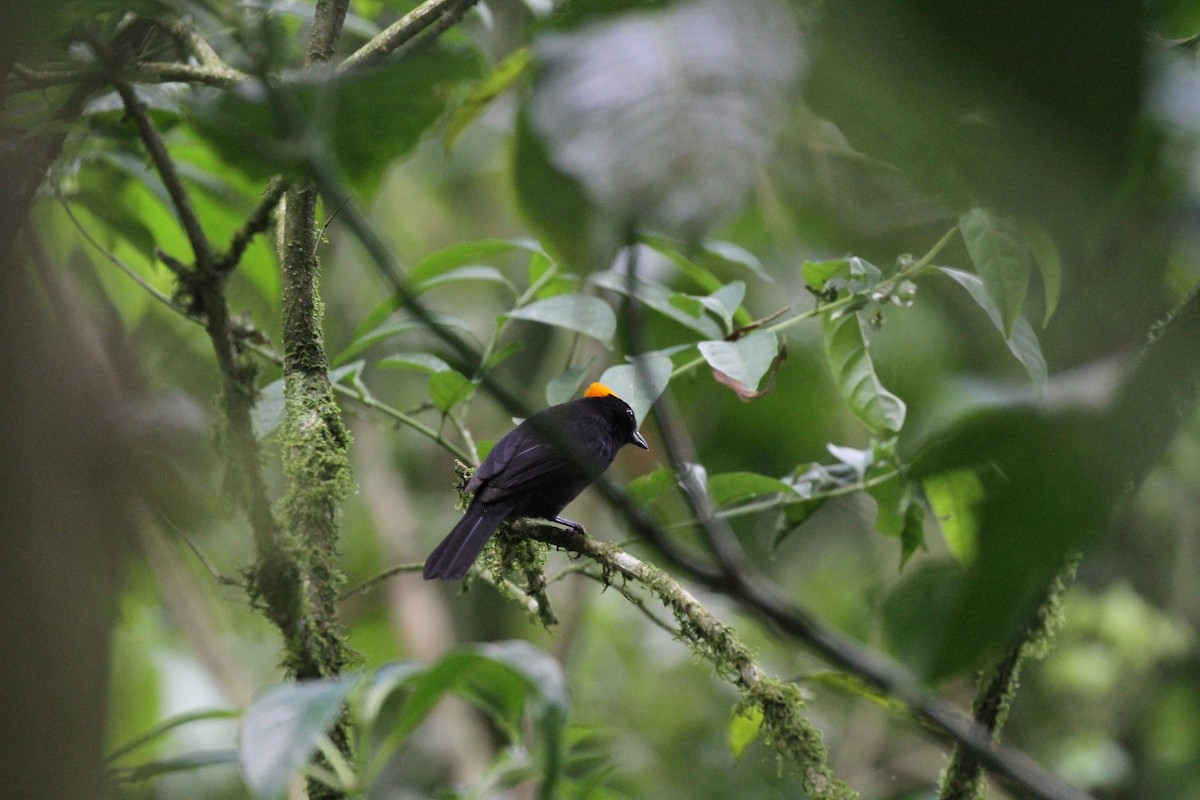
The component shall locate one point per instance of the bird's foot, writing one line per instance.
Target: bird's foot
(572, 524)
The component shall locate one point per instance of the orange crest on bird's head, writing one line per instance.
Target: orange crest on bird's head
(599, 390)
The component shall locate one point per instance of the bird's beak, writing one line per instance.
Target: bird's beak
(640, 440)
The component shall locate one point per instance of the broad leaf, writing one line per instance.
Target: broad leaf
(563, 387)
(280, 730)
(663, 115)
(641, 382)
(448, 388)
(590, 316)
(1002, 260)
(373, 330)
(854, 374)
(425, 363)
(250, 127)
(745, 361)
(1022, 342)
(744, 727)
(645, 489)
(955, 497)
(504, 75)
(736, 487)
(661, 299)
(465, 254)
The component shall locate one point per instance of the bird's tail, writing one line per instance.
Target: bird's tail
(451, 559)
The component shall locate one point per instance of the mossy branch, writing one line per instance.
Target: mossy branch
(963, 778)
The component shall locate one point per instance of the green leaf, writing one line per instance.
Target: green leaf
(916, 611)
(426, 363)
(1049, 262)
(182, 763)
(1001, 258)
(818, 273)
(955, 496)
(736, 254)
(855, 685)
(502, 353)
(168, 725)
(641, 382)
(913, 534)
(745, 361)
(563, 387)
(744, 727)
(794, 515)
(448, 388)
(1022, 343)
(280, 730)
(590, 316)
(504, 75)
(645, 489)
(659, 298)
(735, 487)
(341, 110)
(854, 374)
(466, 254)
(373, 330)
(892, 499)
(471, 273)
(725, 302)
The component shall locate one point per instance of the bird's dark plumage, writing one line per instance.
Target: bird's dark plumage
(535, 470)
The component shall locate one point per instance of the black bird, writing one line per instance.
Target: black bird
(529, 472)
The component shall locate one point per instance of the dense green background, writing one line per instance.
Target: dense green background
(1076, 122)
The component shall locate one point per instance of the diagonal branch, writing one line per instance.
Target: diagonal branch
(136, 109)
(404, 30)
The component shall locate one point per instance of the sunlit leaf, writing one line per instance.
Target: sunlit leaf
(955, 496)
(504, 75)
(744, 727)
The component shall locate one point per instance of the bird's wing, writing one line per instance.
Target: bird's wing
(523, 460)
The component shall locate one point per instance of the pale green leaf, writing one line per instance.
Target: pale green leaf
(1022, 343)
(590, 316)
(449, 388)
(744, 727)
(854, 375)
(746, 361)
(639, 384)
(955, 497)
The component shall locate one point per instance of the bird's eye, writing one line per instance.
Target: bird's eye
(629, 411)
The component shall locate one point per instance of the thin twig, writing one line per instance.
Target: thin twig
(403, 31)
(390, 572)
(258, 221)
(170, 176)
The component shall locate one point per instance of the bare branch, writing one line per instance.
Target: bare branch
(405, 30)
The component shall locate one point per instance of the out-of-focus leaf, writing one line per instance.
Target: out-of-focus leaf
(426, 363)
(916, 611)
(645, 489)
(744, 361)
(281, 727)
(736, 254)
(912, 536)
(504, 75)
(562, 387)
(853, 684)
(182, 763)
(818, 273)
(611, 99)
(448, 388)
(267, 414)
(1022, 343)
(1049, 262)
(954, 496)
(641, 382)
(725, 302)
(659, 298)
(373, 330)
(471, 273)
(590, 316)
(735, 487)
(744, 727)
(892, 499)
(466, 254)
(1002, 260)
(854, 374)
(166, 726)
(364, 118)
